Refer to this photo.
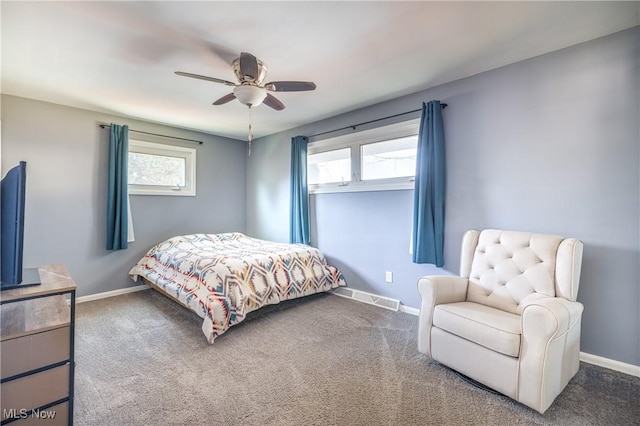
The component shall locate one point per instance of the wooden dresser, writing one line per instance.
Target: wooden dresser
(36, 350)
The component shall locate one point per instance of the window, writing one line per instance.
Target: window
(329, 167)
(372, 160)
(389, 159)
(157, 169)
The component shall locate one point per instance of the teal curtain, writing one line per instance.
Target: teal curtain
(299, 214)
(429, 194)
(117, 196)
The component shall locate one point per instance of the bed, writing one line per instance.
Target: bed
(223, 277)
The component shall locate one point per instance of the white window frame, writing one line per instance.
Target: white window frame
(188, 154)
(355, 141)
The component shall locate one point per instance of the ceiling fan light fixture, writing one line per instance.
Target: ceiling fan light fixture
(250, 90)
(250, 95)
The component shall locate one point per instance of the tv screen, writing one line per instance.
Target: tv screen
(12, 191)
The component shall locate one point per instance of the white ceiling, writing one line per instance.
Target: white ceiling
(120, 57)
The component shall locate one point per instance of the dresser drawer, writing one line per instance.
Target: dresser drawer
(38, 350)
(34, 390)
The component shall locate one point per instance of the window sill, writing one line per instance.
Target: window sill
(362, 187)
(169, 192)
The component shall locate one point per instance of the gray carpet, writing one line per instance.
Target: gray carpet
(322, 360)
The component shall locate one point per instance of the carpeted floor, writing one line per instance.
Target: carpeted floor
(322, 360)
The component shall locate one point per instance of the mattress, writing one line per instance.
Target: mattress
(223, 277)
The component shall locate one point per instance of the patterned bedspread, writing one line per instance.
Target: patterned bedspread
(223, 277)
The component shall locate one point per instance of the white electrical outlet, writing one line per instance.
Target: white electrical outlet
(388, 276)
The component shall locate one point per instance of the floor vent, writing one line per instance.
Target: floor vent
(371, 299)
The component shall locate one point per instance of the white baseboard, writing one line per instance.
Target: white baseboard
(612, 364)
(409, 310)
(113, 293)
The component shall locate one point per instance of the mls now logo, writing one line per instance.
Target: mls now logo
(14, 413)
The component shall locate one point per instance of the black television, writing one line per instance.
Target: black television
(12, 206)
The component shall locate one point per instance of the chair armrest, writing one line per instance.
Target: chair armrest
(549, 351)
(435, 290)
(550, 317)
(443, 288)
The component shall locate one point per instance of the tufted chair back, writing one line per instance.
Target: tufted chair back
(508, 270)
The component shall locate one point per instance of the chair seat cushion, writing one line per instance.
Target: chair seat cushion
(490, 327)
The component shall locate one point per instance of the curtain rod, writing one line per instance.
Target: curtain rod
(156, 134)
(371, 121)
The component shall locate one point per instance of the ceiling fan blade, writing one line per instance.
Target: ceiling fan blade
(290, 86)
(225, 99)
(204, 77)
(222, 52)
(248, 66)
(273, 102)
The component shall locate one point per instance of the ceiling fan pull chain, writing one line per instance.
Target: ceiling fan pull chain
(250, 136)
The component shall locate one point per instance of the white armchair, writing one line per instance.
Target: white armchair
(510, 320)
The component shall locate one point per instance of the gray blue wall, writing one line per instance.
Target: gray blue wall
(66, 155)
(551, 144)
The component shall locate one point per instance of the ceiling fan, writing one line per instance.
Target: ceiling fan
(250, 90)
